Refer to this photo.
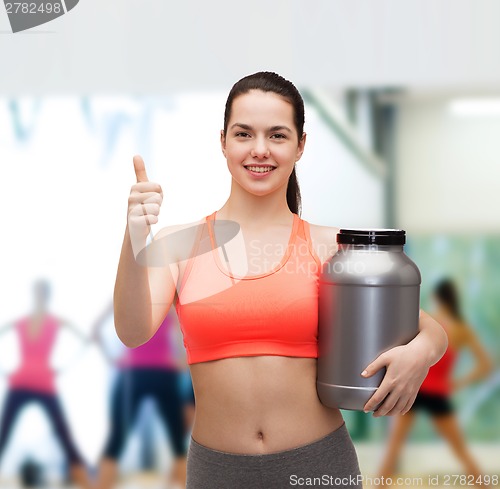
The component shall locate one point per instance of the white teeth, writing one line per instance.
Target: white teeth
(260, 169)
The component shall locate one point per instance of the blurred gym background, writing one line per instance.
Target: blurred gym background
(402, 115)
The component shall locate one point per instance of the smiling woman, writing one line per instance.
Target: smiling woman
(251, 339)
(279, 117)
(266, 146)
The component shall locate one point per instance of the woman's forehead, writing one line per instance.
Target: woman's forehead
(262, 106)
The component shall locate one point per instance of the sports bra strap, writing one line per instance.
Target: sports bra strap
(306, 230)
(301, 231)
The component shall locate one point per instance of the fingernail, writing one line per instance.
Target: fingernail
(364, 373)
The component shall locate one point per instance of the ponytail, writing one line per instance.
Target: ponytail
(293, 194)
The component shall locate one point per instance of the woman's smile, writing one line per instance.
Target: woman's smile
(259, 171)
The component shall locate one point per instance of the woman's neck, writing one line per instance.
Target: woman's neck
(38, 311)
(446, 315)
(255, 210)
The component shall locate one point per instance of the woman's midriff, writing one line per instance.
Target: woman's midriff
(260, 404)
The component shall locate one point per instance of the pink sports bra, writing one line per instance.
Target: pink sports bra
(274, 313)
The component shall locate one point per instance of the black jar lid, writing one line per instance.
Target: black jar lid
(372, 236)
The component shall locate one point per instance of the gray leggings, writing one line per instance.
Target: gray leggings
(328, 462)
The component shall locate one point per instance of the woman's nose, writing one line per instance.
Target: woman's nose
(260, 148)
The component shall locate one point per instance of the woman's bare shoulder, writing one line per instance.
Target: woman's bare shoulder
(178, 239)
(324, 240)
(173, 228)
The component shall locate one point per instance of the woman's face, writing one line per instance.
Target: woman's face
(41, 291)
(261, 144)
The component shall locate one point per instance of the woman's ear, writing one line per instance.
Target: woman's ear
(300, 147)
(223, 142)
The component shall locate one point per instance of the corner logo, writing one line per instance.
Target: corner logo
(25, 15)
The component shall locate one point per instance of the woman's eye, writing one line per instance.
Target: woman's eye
(278, 136)
(242, 134)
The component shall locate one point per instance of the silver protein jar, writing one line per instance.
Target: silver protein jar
(369, 294)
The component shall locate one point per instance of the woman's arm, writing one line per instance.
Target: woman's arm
(76, 353)
(407, 367)
(3, 329)
(484, 363)
(143, 292)
(96, 331)
(99, 322)
(74, 329)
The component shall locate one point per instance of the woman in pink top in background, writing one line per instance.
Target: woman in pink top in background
(151, 370)
(34, 379)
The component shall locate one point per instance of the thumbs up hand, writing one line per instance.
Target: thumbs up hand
(143, 206)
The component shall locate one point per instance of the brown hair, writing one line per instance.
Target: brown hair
(447, 294)
(267, 81)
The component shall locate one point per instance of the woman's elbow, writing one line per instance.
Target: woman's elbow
(444, 338)
(131, 338)
(440, 336)
(130, 341)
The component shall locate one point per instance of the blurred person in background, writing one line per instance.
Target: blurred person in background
(153, 370)
(437, 388)
(34, 379)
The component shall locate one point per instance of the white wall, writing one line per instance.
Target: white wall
(448, 168)
(116, 46)
(336, 189)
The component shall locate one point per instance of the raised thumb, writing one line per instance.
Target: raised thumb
(140, 169)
